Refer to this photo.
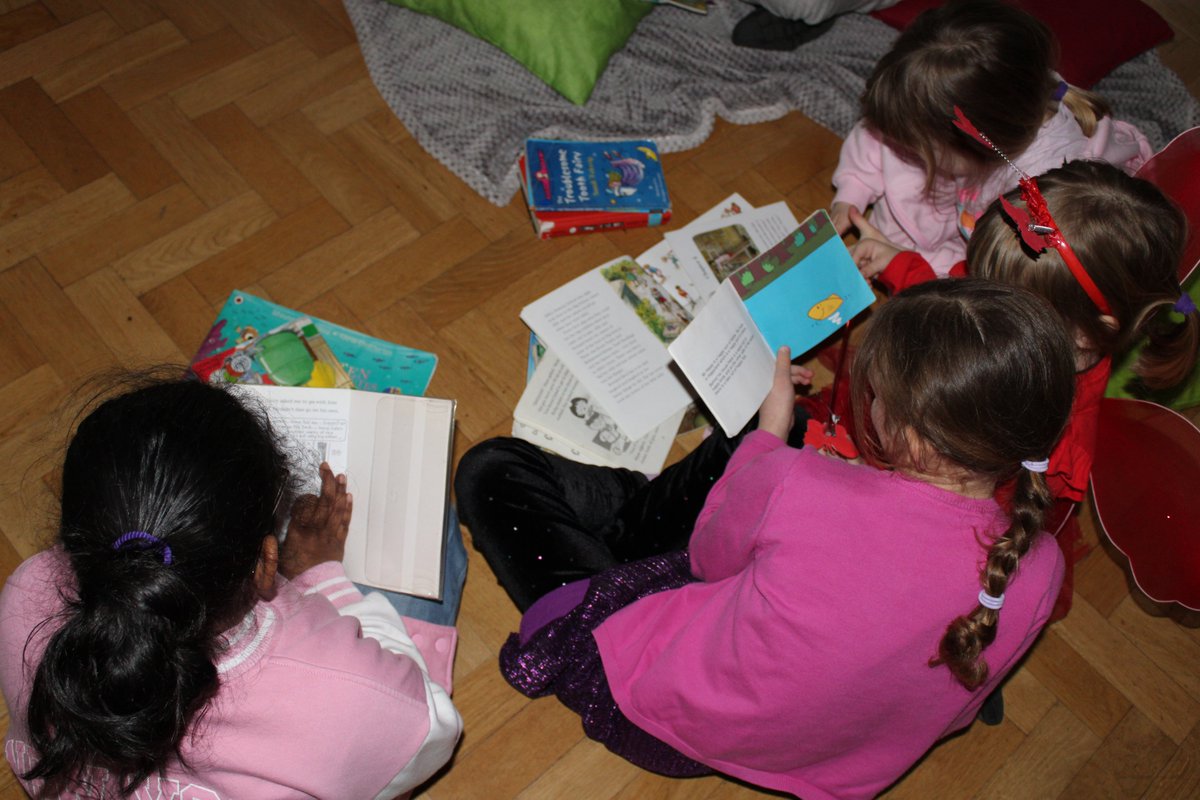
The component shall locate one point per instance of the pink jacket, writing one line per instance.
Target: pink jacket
(868, 171)
(324, 693)
(799, 662)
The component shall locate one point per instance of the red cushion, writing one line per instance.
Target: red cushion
(1094, 36)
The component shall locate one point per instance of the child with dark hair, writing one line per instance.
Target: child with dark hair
(928, 180)
(169, 639)
(831, 621)
(1126, 240)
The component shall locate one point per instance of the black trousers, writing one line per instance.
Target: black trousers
(542, 521)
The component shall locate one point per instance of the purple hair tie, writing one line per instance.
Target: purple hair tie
(1185, 304)
(1060, 91)
(144, 541)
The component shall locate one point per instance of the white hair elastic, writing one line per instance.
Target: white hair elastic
(988, 601)
(1036, 466)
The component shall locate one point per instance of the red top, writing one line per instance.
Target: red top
(1071, 459)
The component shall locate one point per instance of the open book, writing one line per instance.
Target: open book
(395, 452)
(556, 412)
(611, 325)
(797, 293)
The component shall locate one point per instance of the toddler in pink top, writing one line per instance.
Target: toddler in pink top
(928, 181)
(832, 621)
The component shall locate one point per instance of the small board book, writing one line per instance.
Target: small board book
(624, 176)
(395, 453)
(797, 293)
(232, 352)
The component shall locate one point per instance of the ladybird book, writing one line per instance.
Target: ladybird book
(797, 293)
(622, 176)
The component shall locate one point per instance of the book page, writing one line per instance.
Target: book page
(598, 333)
(805, 288)
(664, 265)
(709, 255)
(726, 359)
(395, 453)
(556, 412)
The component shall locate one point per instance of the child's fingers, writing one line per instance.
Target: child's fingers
(865, 229)
(840, 216)
(802, 375)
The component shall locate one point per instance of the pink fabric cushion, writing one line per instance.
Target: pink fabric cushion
(1094, 36)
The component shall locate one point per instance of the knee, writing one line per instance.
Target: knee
(485, 468)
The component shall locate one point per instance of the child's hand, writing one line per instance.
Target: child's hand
(778, 410)
(318, 527)
(873, 252)
(840, 214)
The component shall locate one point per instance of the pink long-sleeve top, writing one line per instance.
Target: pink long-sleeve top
(324, 693)
(937, 224)
(800, 660)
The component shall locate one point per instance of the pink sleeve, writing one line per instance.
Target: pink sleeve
(436, 643)
(1119, 143)
(723, 541)
(859, 174)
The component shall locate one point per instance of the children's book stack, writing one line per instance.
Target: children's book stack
(626, 348)
(583, 187)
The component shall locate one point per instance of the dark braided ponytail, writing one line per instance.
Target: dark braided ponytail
(167, 493)
(982, 374)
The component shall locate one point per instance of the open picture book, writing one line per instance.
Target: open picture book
(700, 315)
(798, 293)
(395, 452)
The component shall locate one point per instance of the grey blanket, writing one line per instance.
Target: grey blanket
(471, 106)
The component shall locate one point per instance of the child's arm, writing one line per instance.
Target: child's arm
(895, 268)
(725, 536)
(858, 177)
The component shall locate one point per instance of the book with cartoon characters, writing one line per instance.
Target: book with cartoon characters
(254, 340)
(623, 176)
(557, 413)
(797, 293)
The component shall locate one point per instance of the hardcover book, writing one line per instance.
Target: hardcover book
(595, 176)
(395, 453)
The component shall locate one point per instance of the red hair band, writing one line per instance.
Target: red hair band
(1037, 228)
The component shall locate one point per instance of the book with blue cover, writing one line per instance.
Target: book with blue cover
(621, 176)
(798, 293)
(251, 341)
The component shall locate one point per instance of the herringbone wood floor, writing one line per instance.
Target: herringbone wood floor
(155, 154)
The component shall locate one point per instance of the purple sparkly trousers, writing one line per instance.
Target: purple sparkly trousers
(561, 659)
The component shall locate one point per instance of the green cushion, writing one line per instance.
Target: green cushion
(1124, 383)
(566, 43)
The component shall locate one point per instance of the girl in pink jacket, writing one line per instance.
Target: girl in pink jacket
(170, 646)
(830, 621)
(927, 180)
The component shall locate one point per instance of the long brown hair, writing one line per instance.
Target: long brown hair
(1129, 237)
(992, 60)
(981, 374)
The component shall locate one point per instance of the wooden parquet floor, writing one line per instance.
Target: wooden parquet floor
(156, 154)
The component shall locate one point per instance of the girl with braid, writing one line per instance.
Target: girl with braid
(1111, 276)
(831, 621)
